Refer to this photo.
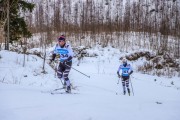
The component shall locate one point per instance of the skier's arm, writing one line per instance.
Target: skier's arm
(53, 57)
(131, 72)
(118, 72)
(69, 58)
(70, 54)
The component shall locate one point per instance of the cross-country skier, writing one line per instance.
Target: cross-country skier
(124, 72)
(66, 54)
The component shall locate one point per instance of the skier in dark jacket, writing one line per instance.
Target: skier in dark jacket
(66, 54)
(124, 72)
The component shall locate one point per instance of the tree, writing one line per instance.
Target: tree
(15, 24)
(3, 19)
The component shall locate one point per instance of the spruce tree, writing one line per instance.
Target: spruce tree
(17, 25)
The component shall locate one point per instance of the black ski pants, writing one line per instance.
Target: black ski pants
(63, 70)
(125, 82)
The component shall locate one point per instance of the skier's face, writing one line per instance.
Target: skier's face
(124, 63)
(61, 42)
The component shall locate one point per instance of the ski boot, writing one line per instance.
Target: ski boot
(128, 91)
(124, 92)
(68, 90)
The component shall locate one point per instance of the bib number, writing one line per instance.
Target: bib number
(64, 55)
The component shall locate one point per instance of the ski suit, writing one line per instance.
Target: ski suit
(66, 55)
(124, 71)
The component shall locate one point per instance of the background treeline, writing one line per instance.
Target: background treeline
(110, 22)
(106, 16)
(125, 24)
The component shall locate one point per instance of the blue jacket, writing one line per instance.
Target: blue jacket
(125, 70)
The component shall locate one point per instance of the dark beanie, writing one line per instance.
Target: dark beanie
(62, 37)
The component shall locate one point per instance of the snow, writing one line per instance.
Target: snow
(99, 97)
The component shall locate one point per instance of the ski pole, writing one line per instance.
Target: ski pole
(78, 71)
(131, 86)
(118, 81)
(61, 82)
(55, 69)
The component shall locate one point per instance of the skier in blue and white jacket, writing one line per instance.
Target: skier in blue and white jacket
(124, 72)
(66, 54)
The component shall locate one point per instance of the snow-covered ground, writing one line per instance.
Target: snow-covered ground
(23, 97)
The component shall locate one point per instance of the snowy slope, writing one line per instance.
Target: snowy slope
(22, 98)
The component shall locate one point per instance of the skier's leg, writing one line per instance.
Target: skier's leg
(60, 71)
(127, 86)
(123, 85)
(66, 73)
(63, 82)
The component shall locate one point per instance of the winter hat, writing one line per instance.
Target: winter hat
(124, 60)
(62, 37)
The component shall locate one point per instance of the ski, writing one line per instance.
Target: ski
(58, 89)
(122, 94)
(49, 91)
(74, 87)
(118, 93)
(59, 92)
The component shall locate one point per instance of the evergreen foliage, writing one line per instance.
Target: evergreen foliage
(18, 27)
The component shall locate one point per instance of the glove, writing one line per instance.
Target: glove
(64, 62)
(51, 60)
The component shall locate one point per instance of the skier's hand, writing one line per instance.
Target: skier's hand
(64, 62)
(51, 61)
(119, 76)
